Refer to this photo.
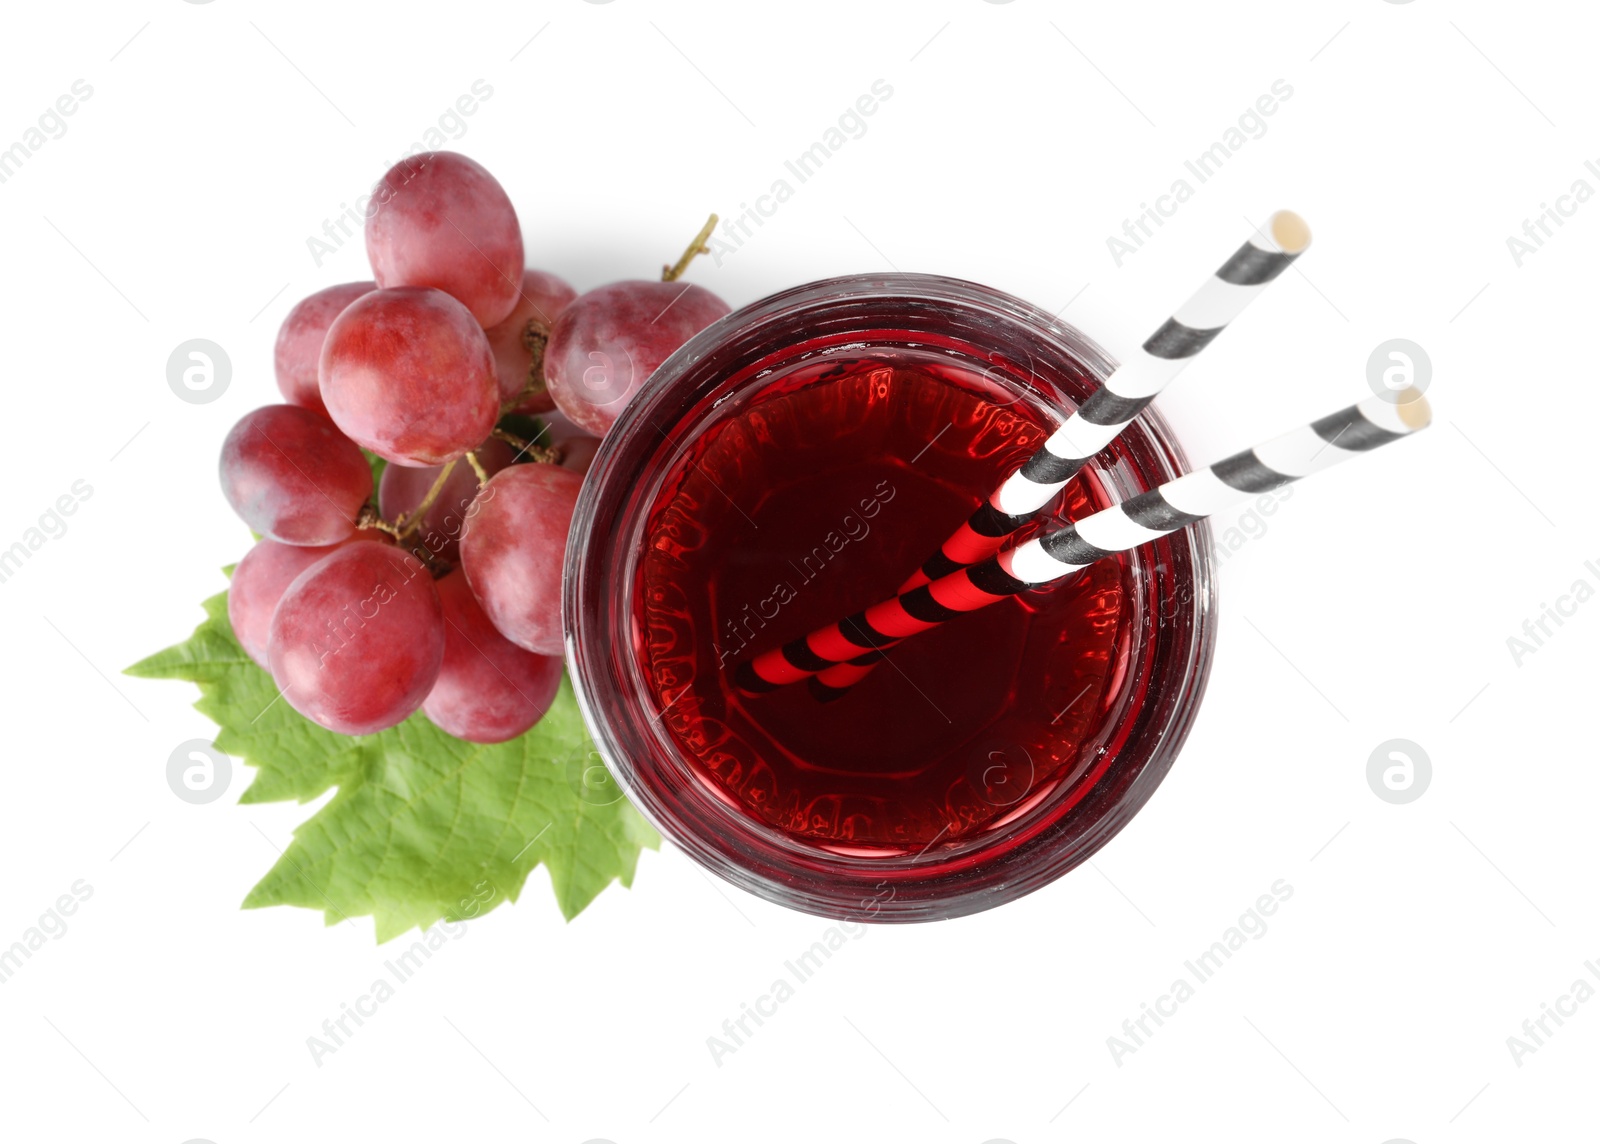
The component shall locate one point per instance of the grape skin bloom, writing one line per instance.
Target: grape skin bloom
(358, 638)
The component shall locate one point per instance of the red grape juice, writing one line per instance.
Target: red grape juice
(820, 497)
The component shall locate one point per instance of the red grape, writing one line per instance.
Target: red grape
(443, 221)
(608, 342)
(300, 342)
(401, 489)
(489, 690)
(260, 581)
(513, 548)
(577, 453)
(516, 340)
(408, 373)
(357, 640)
(292, 476)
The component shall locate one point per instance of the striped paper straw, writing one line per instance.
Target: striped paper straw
(1133, 385)
(1104, 413)
(1148, 516)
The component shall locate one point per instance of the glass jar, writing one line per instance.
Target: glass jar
(1007, 354)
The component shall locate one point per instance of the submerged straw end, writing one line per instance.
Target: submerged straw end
(1413, 408)
(749, 682)
(1289, 231)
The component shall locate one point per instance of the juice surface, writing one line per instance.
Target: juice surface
(817, 501)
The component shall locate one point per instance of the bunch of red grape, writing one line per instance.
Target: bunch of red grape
(445, 594)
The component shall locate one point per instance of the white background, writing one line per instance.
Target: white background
(1018, 138)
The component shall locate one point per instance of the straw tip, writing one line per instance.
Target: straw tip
(749, 681)
(1413, 408)
(1289, 231)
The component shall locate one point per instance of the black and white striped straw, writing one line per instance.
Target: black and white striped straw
(1205, 492)
(1104, 414)
(1143, 518)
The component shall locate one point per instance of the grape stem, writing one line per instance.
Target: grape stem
(698, 246)
(477, 467)
(408, 522)
(535, 336)
(368, 518)
(528, 448)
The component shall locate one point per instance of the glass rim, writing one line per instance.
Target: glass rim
(808, 877)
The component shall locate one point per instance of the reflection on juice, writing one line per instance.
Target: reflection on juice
(818, 499)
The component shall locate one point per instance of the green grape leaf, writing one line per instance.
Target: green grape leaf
(424, 826)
